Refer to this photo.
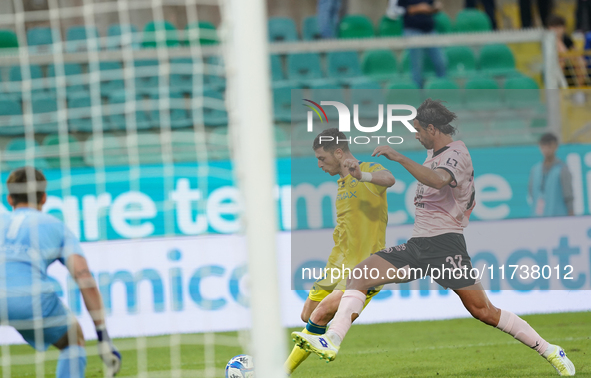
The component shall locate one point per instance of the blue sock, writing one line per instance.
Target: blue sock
(71, 363)
(315, 329)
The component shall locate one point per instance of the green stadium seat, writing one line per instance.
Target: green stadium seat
(343, 66)
(282, 29)
(497, 60)
(472, 20)
(163, 29)
(310, 29)
(76, 38)
(11, 120)
(51, 148)
(8, 39)
(214, 73)
(282, 95)
(304, 67)
(356, 26)
(115, 34)
(207, 33)
(276, 68)
(403, 92)
(461, 61)
(146, 74)
(443, 24)
(40, 39)
(14, 155)
(111, 77)
(482, 94)
(379, 65)
(390, 28)
(181, 77)
(79, 112)
(522, 92)
(44, 113)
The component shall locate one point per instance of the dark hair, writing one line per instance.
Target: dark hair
(339, 140)
(435, 113)
(548, 138)
(19, 186)
(555, 20)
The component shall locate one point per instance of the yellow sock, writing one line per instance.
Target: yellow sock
(297, 355)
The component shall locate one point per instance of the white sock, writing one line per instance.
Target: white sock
(551, 348)
(336, 339)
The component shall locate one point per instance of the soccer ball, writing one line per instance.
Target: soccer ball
(240, 366)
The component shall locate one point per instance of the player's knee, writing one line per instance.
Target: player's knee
(323, 314)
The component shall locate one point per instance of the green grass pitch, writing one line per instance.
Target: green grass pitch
(448, 348)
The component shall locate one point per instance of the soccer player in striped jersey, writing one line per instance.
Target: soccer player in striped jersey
(29, 242)
(362, 217)
(444, 200)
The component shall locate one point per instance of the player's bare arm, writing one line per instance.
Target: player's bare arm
(436, 179)
(381, 178)
(78, 268)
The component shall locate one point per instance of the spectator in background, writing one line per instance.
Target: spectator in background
(418, 20)
(489, 8)
(544, 8)
(550, 182)
(573, 66)
(329, 14)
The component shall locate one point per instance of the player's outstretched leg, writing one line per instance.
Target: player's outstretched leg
(477, 303)
(317, 322)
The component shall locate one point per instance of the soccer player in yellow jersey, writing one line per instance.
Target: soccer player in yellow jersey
(362, 217)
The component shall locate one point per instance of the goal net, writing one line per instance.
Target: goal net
(137, 112)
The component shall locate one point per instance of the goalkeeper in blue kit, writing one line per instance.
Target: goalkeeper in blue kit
(29, 242)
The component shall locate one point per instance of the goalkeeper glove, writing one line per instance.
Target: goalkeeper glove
(109, 354)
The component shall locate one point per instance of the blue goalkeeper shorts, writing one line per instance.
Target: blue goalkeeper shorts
(53, 323)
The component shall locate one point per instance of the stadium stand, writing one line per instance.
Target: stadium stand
(490, 67)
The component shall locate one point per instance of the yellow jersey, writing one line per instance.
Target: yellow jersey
(362, 217)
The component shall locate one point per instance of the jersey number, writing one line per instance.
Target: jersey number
(15, 225)
(449, 162)
(450, 260)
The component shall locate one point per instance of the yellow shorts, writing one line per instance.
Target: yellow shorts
(317, 294)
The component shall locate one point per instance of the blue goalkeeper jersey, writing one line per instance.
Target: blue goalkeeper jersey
(29, 242)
